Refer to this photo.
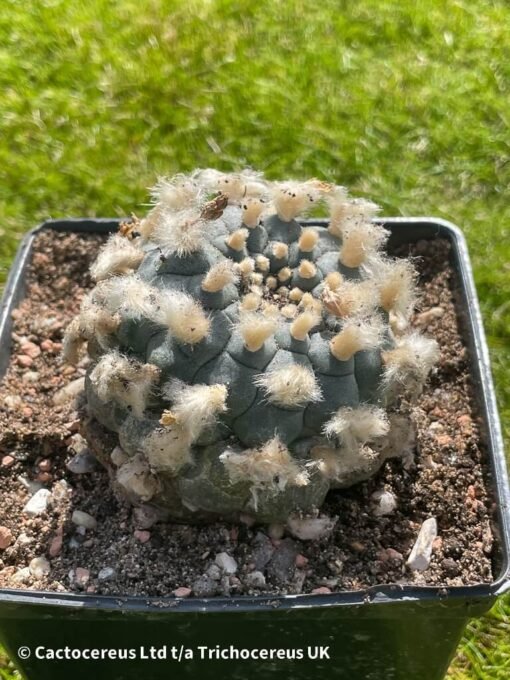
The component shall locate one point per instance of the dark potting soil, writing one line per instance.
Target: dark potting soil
(124, 554)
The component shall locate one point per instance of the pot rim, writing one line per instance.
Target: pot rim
(378, 594)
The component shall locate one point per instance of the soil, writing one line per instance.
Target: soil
(125, 554)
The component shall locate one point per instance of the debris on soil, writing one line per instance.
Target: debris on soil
(62, 527)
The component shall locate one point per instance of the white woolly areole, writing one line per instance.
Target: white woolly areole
(195, 407)
(359, 240)
(184, 317)
(395, 280)
(407, 366)
(234, 185)
(346, 212)
(181, 233)
(291, 199)
(119, 255)
(293, 385)
(115, 377)
(357, 426)
(269, 467)
(176, 193)
(350, 298)
(255, 328)
(220, 275)
(356, 335)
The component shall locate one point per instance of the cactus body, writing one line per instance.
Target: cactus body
(249, 364)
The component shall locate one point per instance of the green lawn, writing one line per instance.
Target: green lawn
(403, 101)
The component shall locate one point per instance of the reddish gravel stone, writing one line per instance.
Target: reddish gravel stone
(24, 360)
(6, 537)
(182, 592)
(323, 590)
(141, 535)
(7, 461)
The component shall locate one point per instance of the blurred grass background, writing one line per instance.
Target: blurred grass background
(403, 101)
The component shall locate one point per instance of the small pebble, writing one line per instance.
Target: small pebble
(311, 528)
(205, 587)
(30, 377)
(83, 519)
(255, 579)
(118, 457)
(24, 361)
(145, 516)
(214, 572)
(69, 391)
(282, 564)
(106, 574)
(82, 463)
(323, 590)
(7, 461)
(38, 503)
(45, 465)
(276, 531)
(39, 567)
(6, 537)
(182, 592)
(301, 561)
(22, 575)
(60, 490)
(419, 559)
(384, 503)
(226, 562)
(81, 576)
(56, 544)
(31, 349)
(141, 535)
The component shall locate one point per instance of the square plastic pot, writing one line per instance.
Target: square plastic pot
(388, 632)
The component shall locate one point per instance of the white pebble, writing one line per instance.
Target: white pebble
(311, 528)
(255, 579)
(106, 574)
(38, 503)
(118, 457)
(83, 519)
(60, 490)
(39, 567)
(385, 503)
(419, 559)
(22, 575)
(226, 562)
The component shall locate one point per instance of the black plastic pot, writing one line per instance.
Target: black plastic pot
(382, 633)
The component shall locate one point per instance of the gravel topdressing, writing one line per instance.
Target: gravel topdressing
(115, 549)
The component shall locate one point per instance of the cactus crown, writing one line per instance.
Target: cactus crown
(249, 363)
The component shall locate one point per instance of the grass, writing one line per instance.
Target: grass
(403, 101)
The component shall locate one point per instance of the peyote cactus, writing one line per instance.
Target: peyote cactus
(246, 363)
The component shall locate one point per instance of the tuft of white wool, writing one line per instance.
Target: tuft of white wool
(303, 324)
(119, 255)
(255, 328)
(289, 386)
(128, 294)
(359, 241)
(262, 262)
(168, 449)
(246, 266)
(269, 467)
(339, 464)
(350, 298)
(195, 407)
(408, 364)
(252, 210)
(237, 239)
(291, 199)
(308, 240)
(220, 275)
(236, 186)
(174, 194)
(94, 322)
(184, 316)
(395, 280)
(127, 381)
(181, 232)
(346, 212)
(356, 335)
(355, 427)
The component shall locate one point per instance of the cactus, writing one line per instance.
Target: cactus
(247, 364)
